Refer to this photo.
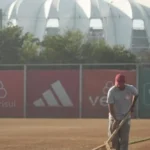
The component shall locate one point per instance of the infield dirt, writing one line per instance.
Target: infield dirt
(64, 134)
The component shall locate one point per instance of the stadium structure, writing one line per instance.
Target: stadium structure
(121, 22)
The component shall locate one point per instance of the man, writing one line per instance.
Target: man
(119, 99)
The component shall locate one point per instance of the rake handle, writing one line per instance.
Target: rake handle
(117, 129)
(121, 123)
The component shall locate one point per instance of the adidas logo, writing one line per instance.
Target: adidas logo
(50, 98)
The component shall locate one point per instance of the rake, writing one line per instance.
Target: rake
(139, 141)
(106, 145)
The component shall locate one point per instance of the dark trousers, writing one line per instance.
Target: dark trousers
(120, 142)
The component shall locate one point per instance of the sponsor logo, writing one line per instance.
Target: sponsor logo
(57, 97)
(101, 100)
(3, 92)
(3, 95)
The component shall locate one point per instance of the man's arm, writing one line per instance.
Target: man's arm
(135, 97)
(110, 102)
(112, 112)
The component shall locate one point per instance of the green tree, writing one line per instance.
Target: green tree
(10, 45)
(62, 48)
(96, 52)
(143, 56)
(16, 47)
(100, 52)
(73, 47)
(121, 54)
(30, 49)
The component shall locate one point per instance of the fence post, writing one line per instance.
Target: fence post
(25, 90)
(137, 85)
(80, 90)
(1, 18)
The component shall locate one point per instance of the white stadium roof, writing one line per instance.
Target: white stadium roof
(124, 22)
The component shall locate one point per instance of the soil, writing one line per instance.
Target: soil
(64, 134)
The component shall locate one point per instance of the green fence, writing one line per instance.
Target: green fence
(144, 91)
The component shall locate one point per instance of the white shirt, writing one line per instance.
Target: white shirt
(121, 99)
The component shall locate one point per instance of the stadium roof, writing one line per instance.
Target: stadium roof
(114, 19)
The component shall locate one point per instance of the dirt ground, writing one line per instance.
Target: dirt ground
(63, 134)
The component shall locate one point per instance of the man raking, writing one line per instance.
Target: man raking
(119, 99)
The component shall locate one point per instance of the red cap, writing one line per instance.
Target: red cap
(120, 78)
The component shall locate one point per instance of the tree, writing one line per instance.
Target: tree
(100, 52)
(123, 55)
(62, 48)
(16, 47)
(73, 47)
(143, 56)
(10, 45)
(96, 52)
(30, 49)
